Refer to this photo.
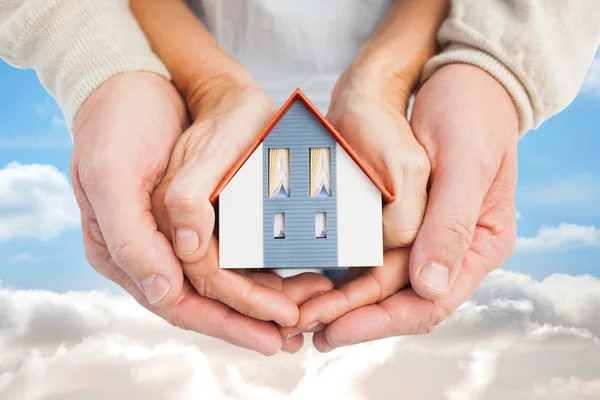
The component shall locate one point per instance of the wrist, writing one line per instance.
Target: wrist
(394, 56)
(203, 86)
(105, 100)
(461, 104)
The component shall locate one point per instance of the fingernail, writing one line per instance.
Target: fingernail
(314, 296)
(280, 324)
(156, 288)
(291, 335)
(435, 276)
(186, 241)
(313, 325)
(328, 347)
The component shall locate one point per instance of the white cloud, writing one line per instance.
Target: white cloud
(591, 84)
(21, 257)
(37, 201)
(40, 108)
(516, 338)
(563, 235)
(569, 388)
(58, 121)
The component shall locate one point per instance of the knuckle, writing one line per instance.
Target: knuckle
(180, 197)
(459, 230)
(397, 238)
(438, 316)
(415, 166)
(123, 253)
(92, 232)
(177, 320)
(487, 164)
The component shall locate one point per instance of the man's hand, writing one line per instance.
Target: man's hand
(123, 137)
(468, 125)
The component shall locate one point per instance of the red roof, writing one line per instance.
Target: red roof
(298, 95)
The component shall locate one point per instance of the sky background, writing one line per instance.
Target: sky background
(530, 331)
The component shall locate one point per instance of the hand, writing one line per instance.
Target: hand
(369, 108)
(371, 114)
(229, 112)
(468, 125)
(123, 137)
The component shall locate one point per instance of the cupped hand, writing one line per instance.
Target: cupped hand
(228, 113)
(468, 126)
(371, 115)
(123, 138)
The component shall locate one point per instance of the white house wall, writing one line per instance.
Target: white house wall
(241, 216)
(360, 233)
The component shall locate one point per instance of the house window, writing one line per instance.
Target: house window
(279, 226)
(279, 172)
(320, 225)
(320, 172)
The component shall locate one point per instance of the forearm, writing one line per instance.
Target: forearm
(74, 45)
(403, 42)
(539, 51)
(191, 54)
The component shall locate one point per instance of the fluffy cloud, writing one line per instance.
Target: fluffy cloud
(563, 235)
(515, 338)
(37, 201)
(570, 388)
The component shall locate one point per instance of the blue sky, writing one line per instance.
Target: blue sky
(559, 183)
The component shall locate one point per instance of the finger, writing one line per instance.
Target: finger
(212, 318)
(212, 147)
(293, 344)
(373, 286)
(298, 288)
(406, 312)
(194, 312)
(383, 138)
(238, 291)
(121, 205)
(466, 140)
(458, 187)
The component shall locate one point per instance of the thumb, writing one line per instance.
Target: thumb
(457, 192)
(122, 207)
(191, 216)
(204, 155)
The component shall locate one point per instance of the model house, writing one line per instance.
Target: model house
(300, 198)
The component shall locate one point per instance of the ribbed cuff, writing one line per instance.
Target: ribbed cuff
(76, 45)
(462, 53)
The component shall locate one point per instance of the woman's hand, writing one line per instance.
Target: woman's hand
(371, 115)
(368, 108)
(229, 113)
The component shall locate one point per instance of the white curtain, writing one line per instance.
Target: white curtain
(279, 226)
(279, 172)
(320, 172)
(320, 225)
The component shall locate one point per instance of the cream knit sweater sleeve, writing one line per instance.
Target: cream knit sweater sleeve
(539, 50)
(74, 45)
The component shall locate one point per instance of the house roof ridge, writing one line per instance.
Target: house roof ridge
(298, 94)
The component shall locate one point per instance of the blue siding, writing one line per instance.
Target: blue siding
(300, 131)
